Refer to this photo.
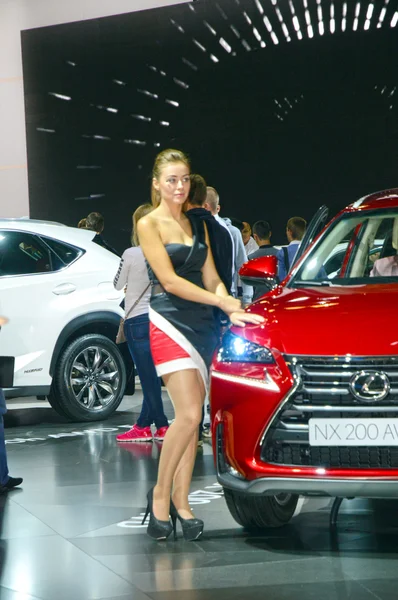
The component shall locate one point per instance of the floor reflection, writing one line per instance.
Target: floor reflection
(74, 530)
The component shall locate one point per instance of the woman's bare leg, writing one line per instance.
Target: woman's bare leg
(183, 475)
(187, 397)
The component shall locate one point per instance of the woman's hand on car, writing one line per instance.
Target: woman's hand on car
(240, 318)
(229, 304)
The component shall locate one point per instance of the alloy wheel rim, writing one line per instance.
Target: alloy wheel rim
(94, 378)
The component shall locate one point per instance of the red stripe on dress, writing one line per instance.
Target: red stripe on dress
(163, 348)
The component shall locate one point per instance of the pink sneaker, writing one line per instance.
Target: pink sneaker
(136, 434)
(160, 433)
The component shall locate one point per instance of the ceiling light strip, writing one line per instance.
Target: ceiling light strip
(210, 28)
(283, 25)
(224, 44)
(332, 19)
(60, 96)
(177, 26)
(344, 19)
(259, 7)
(222, 13)
(268, 26)
(307, 14)
(357, 13)
(321, 26)
(383, 13)
(227, 47)
(369, 15)
(296, 22)
(189, 64)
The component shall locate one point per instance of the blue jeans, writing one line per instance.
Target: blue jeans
(136, 331)
(3, 455)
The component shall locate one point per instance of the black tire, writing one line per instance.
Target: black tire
(73, 366)
(260, 512)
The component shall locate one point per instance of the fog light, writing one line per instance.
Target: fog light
(222, 463)
(233, 471)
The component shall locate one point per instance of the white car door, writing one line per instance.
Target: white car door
(32, 284)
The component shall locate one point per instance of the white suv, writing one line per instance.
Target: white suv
(56, 289)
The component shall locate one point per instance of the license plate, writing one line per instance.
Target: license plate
(353, 432)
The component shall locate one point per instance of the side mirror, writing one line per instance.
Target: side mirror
(260, 271)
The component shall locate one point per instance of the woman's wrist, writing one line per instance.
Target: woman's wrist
(219, 300)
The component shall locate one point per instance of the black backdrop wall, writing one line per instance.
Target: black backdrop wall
(282, 106)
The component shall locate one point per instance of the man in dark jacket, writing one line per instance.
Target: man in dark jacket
(95, 222)
(220, 240)
(6, 482)
(262, 235)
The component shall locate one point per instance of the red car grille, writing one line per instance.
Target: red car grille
(344, 457)
(326, 380)
(324, 390)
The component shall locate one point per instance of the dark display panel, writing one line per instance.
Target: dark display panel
(282, 106)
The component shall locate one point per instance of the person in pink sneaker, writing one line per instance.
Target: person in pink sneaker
(132, 275)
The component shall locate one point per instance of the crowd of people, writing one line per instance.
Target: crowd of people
(231, 251)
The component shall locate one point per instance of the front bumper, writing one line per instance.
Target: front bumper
(333, 487)
(244, 418)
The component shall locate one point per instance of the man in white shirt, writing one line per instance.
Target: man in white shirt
(249, 242)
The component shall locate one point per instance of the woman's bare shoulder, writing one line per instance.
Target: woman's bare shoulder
(147, 223)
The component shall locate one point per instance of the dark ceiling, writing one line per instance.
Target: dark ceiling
(282, 106)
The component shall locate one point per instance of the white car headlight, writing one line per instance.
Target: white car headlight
(236, 349)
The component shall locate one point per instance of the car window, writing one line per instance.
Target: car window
(65, 253)
(335, 259)
(360, 247)
(23, 254)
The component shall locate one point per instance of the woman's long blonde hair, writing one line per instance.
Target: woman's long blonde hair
(140, 212)
(164, 158)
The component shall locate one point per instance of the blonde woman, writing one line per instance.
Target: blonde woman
(183, 332)
(133, 276)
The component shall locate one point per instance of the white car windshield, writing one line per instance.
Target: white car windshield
(358, 248)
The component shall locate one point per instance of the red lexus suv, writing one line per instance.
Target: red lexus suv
(307, 402)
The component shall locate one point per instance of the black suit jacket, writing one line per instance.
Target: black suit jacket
(220, 243)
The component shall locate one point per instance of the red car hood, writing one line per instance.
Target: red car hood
(360, 320)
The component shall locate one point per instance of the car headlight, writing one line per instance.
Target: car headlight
(236, 349)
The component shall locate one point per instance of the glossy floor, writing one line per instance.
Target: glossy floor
(73, 531)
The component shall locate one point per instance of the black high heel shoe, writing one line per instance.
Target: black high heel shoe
(192, 529)
(157, 530)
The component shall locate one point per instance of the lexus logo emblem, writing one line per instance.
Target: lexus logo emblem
(370, 386)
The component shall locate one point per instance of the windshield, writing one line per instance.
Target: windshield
(359, 248)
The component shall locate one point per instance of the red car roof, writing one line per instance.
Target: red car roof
(384, 199)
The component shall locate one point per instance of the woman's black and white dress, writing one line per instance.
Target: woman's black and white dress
(183, 334)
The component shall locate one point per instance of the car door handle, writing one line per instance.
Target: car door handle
(64, 288)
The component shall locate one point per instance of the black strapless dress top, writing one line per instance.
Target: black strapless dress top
(195, 322)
